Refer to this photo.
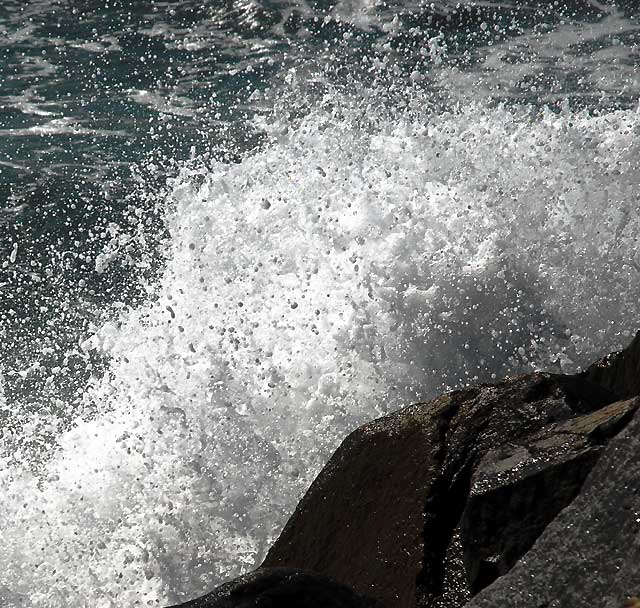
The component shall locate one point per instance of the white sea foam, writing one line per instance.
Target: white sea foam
(354, 265)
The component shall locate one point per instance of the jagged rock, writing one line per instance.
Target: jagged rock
(618, 372)
(428, 506)
(590, 554)
(518, 489)
(477, 498)
(282, 588)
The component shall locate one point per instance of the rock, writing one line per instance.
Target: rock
(428, 506)
(618, 372)
(590, 554)
(518, 489)
(489, 496)
(282, 588)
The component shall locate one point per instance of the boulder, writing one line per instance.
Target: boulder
(517, 490)
(282, 588)
(590, 554)
(522, 493)
(430, 505)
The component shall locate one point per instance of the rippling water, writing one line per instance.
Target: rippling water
(234, 231)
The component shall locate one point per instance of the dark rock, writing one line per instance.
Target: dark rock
(494, 495)
(590, 554)
(618, 372)
(518, 489)
(428, 506)
(282, 588)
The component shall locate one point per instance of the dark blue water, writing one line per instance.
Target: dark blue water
(232, 231)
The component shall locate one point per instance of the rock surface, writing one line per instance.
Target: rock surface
(590, 554)
(618, 372)
(282, 588)
(430, 505)
(525, 493)
(518, 489)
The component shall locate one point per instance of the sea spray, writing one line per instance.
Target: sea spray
(354, 264)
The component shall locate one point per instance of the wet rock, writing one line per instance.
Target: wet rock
(518, 489)
(590, 554)
(523, 493)
(428, 506)
(618, 372)
(282, 588)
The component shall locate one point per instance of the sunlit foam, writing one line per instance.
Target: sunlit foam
(354, 265)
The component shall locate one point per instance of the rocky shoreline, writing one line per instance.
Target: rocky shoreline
(524, 493)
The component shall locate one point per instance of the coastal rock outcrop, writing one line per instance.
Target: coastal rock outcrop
(590, 553)
(430, 505)
(618, 372)
(522, 493)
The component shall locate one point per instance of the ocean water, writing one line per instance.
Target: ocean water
(234, 231)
